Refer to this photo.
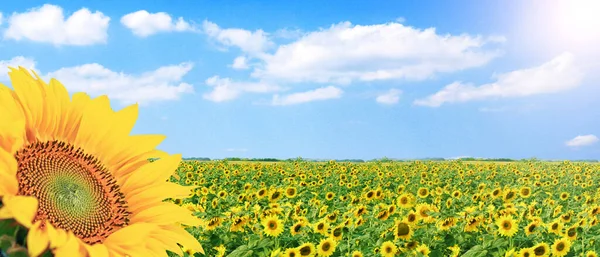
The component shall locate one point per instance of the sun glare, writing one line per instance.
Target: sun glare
(572, 25)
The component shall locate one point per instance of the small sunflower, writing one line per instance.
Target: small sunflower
(273, 226)
(291, 252)
(423, 249)
(74, 176)
(307, 249)
(402, 230)
(388, 249)
(326, 247)
(591, 253)
(541, 250)
(507, 226)
(358, 253)
(561, 247)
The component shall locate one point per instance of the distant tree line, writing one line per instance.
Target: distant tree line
(383, 160)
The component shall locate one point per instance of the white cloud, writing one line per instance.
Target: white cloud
(1, 18)
(225, 89)
(557, 75)
(390, 97)
(250, 42)
(344, 53)
(400, 19)
(240, 63)
(15, 63)
(286, 33)
(143, 24)
(47, 24)
(319, 94)
(162, 84)
(582, 140)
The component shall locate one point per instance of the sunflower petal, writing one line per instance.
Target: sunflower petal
(13, 121)
(132, 235)
(147, 196)
(70, 248)
(73, 120)
(183, 237)
(58, 237)
(8, 172)
(61, 101)
(37, 240)
(166, 213)
(22, 208)
(30, 95)
(153, 172)
(97, 250)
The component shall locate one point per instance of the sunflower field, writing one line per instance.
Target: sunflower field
(393, 209)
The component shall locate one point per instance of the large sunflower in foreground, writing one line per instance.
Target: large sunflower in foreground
(72, 174)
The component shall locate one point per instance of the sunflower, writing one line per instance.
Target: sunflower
(525, 252)
(388, 249)
(337, 233)
(541, 249)
(532, 228)
(307, 249)
(423, 249)
(296, 229)
(525, 192)
(71, 173)
(454, 250)
(402, 230)
(273, 226)
(290, 192)
(507, 226)
(326, 247)
(571, 233)
(423, 192)
(591, 253)
(321, 227)
(291, 252)
(561, 247)
(358, 253)
(329, 196)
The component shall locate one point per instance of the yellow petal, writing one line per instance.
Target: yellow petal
(133, 148)
(12, 126)
(37, 240)
(95, 125)
(157, 171)
(22, 208)
(125, 119)
(97, 250)
(182, 237)
(132, 235)
(30, 95)
(58, 237)
(8, 172)
(80, 101)
(166, 213)
(61, 101)
(158, 243)
(147, 196)
(71, 248)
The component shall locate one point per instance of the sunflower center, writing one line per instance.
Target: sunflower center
(403, 229)
(75, 192)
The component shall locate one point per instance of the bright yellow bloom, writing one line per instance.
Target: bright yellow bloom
(72, 174)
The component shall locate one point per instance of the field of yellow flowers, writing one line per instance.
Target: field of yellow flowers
(300, 208)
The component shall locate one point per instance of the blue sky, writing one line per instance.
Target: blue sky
(345, 79)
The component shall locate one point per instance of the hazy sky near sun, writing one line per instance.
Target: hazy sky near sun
(333, 79)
